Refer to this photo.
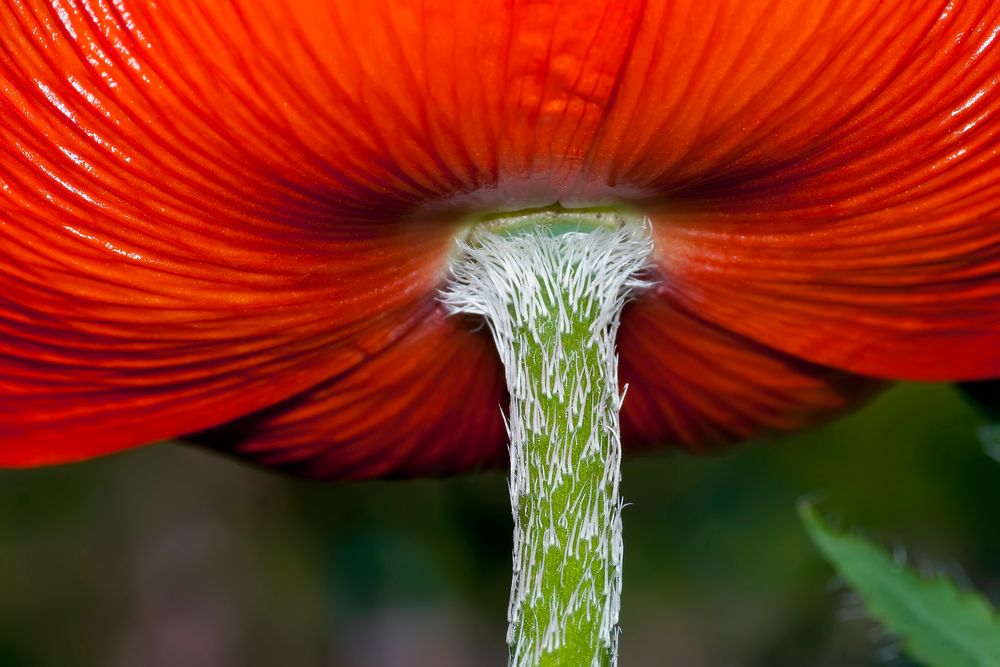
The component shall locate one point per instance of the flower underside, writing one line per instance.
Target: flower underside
(232, 219)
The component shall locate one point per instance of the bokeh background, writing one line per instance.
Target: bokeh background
(170, 556)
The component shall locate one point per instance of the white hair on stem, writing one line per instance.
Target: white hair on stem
(553, 304)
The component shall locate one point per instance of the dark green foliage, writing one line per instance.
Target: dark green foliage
(937, 623)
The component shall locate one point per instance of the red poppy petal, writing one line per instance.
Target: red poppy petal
(899, 294)
(693, 383)
(427, 404)
(431, 403)
(169, 264)
(832, 176)
(105, 360)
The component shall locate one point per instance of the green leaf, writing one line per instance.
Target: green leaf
(937, 623)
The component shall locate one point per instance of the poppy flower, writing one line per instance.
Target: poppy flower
(232, 220)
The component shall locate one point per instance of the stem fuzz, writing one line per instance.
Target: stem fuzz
(553, 300)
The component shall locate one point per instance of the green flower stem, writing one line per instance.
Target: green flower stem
(553, 294)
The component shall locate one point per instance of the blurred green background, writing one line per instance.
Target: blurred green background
(170, 556)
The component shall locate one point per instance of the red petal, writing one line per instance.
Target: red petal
(831, 172)
(693, 383)
(428, 404)
(170, 264)
(92, 360)
(902, 294)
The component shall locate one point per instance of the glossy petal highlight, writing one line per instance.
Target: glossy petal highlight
(161, 274)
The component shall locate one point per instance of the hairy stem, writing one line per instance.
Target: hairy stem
(553, 299)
